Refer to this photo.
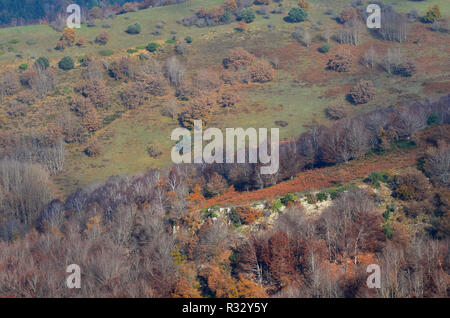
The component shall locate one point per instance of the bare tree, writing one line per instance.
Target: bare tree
(351, 33)
(395, 26)
(306, 38)
(43, 81)
(437, 163)
(327, 33)
(392, 58)
(370, 57)
(25, 196)
(175, 71)
(170, 108)
(181, 48)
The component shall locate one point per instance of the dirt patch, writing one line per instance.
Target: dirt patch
(440, 88)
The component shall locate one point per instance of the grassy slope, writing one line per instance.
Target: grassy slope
(301, 91)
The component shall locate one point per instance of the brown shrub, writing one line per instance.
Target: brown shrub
(102, 38)
(90, 120)
(60, 45)
(340, 63)
(416, 208)
(362, 92)
(154, 151)
(248, 215)
(152, 83)
(261, 72)
(185, 91)
(26, 77)
(129, 7)
(133, 95)
(122, 69)
(216, 185)
(181, 47)
(81, 41)
(238, 58)
(9, 83)
(200, 108)
(205, 80)
(411, 185)
(81, 105)
(17, 109)
(26, 97)
(95, 90)
(94, 69)
(406, 69)
(336, 112)
(8, 142)
(230, 5)
(227, 99)
(303, 4)
(235, 77)
(348, 14)
(93, 149)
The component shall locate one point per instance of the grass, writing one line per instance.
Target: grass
(46, 37)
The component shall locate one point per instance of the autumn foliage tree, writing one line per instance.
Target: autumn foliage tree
(248, 215)
(68, 38)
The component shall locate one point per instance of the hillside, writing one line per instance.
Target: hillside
(87, 168)
(299, 95)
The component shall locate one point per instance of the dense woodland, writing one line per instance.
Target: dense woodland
(148, 235)
(37, 11)
(153, 234)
